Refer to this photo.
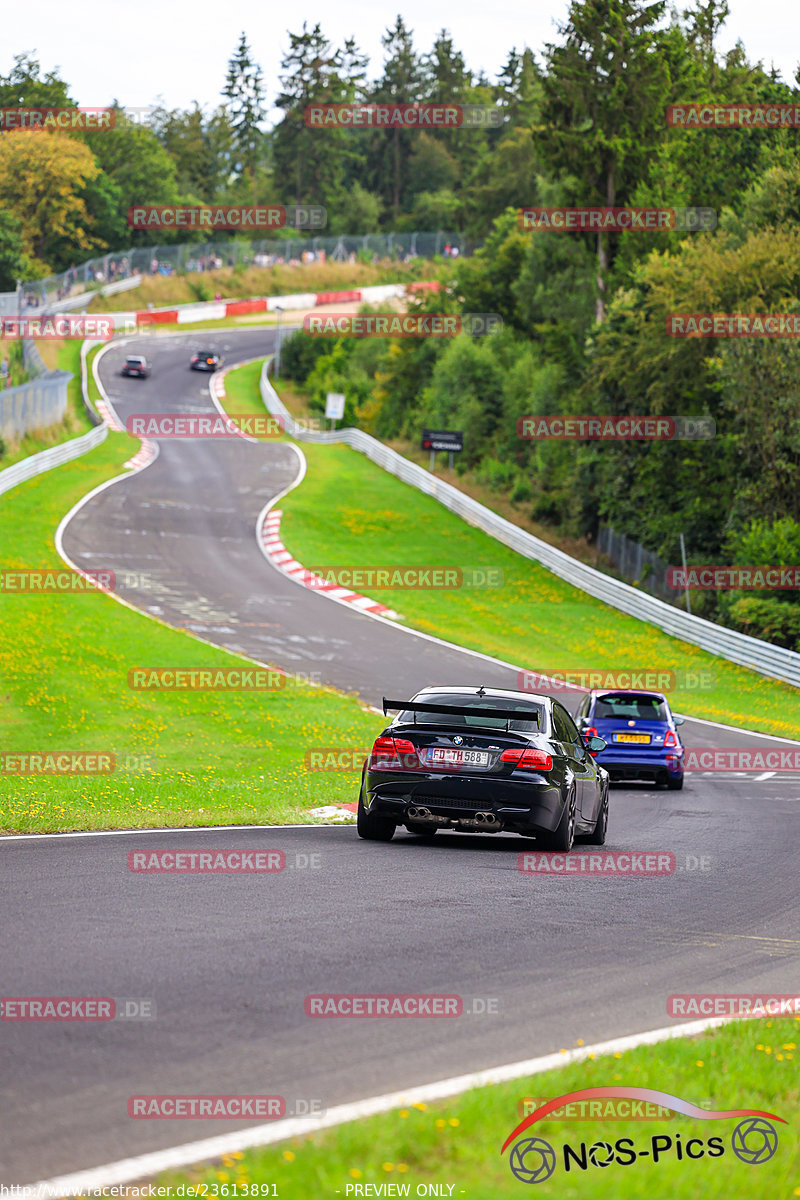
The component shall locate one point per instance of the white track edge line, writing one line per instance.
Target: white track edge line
(143, 1166)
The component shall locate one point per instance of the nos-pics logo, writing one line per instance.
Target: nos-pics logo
(533, 1160)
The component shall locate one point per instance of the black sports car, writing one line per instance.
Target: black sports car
(205, 360)
(484, 760)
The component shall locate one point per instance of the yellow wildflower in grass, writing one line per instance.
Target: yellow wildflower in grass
(288, 1156)
(402, 1168)
(387, 1166)
(453, 1121)
(440, 1124)
(403, 1112)
(354, 1173)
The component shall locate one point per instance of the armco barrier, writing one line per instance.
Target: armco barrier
(56, 456)
(727, 643)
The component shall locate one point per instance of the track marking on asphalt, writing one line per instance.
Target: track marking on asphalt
(144, 1166)
(77, 833)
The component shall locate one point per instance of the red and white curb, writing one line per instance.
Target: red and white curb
(146, 452)
(143, 456)
(281, 558)
(109, 416)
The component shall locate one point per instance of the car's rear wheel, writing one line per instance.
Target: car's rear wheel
(675, 785)
(563, 835)
(371, 826)
(598, 835)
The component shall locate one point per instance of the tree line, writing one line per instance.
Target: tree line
(584, 314)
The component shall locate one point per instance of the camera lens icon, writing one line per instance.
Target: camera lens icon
(533, 1160)
(754, 1141)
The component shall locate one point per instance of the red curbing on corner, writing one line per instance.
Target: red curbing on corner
(280, 557)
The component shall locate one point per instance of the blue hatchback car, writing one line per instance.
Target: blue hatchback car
(641, 733)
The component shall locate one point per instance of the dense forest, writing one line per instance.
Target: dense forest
(584, 314)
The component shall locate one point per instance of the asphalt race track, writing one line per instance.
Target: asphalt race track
(229, 959)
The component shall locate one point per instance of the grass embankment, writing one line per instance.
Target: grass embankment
(350, 513)
(747, 1064)
(241, 283)
(185, 757)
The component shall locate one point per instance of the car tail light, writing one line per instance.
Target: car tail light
(534, 760)
(670, 739)
(393, 754)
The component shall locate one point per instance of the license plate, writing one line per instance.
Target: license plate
(641, 739)
(441, 756)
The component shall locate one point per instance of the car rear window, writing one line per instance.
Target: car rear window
(625, 708)
(523, 725)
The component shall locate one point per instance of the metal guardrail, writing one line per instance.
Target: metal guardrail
(56, 456)
(736, 647)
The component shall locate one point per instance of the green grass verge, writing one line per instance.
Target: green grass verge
(746, 1064)
(184, 757)
(349, 512)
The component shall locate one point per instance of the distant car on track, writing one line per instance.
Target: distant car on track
(205, 360)
(482, 761)
(136, 366)
(641, 735)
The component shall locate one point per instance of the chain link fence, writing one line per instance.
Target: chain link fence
(34, 405)
(191, 257)
(633, 562)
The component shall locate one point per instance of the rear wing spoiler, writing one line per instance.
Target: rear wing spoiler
(505, 714)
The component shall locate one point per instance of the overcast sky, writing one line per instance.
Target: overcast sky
(178, 51)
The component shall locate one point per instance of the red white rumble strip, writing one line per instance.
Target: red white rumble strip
(280, 557)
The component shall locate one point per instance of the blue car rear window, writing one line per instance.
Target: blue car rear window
(637, 708)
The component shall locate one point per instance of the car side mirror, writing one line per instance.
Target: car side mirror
(678, 720)
(595, 744)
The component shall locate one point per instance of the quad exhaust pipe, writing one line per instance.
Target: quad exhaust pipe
(485, 821)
